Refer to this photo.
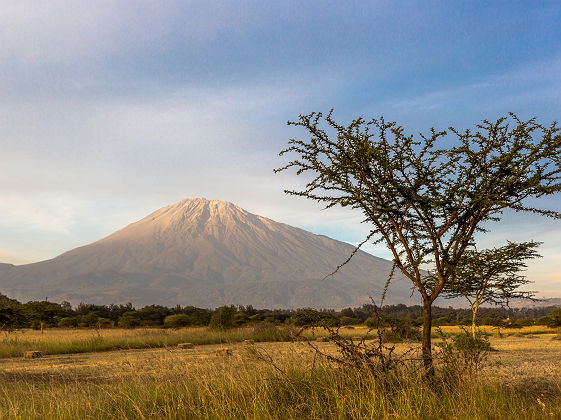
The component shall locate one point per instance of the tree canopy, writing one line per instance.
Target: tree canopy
(425, 198)
(492, 275)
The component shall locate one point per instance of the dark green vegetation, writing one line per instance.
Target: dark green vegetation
(426, 198)
(14, 315)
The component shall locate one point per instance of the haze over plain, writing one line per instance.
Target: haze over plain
(110, 110)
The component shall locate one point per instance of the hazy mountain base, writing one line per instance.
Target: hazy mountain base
(168, 289)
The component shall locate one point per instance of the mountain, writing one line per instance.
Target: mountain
(5, 267)
(523, 303)
(208, 253)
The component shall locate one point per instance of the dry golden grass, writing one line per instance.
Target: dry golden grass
(517, 349)
(196, 383)
(68, 335)
(517, 358)
(57, 341)
(534, 329)
(64, 335)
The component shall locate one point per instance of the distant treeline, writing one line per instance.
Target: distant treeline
(44, 314)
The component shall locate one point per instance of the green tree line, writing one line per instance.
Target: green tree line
(44, 314)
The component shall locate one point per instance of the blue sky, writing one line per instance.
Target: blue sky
(112, 109)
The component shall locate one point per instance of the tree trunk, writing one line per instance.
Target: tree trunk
(427, 328)
(473, 324)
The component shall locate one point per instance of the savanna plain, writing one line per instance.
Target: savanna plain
(247, 373)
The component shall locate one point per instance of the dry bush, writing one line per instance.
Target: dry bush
(361, 352)
(463, 354)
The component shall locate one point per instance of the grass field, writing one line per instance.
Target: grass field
(269, 380)
(61, 341)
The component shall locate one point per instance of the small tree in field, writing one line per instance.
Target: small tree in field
(554, 320)
(178, 321)
(223, 318)
(41, 313)
(491, 276)
(425, 202)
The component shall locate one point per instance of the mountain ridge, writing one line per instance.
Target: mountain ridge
(208, 253)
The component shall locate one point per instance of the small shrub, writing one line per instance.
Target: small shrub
(347, 320)
(417, 322)
(463, 354)
(68, 322)
(525, 322)
(223, 318)
(395, 330)
(255, 318)
(555, 318)
(104, 323)
(543, 320)
(178, 321)
(129, 320)
(493, 321)
(401, 330)
(443, 320)
(360, 352)
(89, 320)
(240, 319)
(398, 336)
(312, 318)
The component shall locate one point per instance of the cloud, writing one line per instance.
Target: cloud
(523, 89)
(122, 142)
(43, 212)
(67, 159)
(110, 110)
(63, 31)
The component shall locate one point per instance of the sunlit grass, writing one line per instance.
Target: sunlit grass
(62, 341)
(489, 329)
(160, 384)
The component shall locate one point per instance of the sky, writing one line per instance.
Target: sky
(110, 110)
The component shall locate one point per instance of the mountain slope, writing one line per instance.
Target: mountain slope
(5, 267)
(207, 253)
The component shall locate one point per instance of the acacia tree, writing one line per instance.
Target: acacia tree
(491, 276)
(42, 312)
(425, 202)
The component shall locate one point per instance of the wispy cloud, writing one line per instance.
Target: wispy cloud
(45, 212)
(523, 89)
